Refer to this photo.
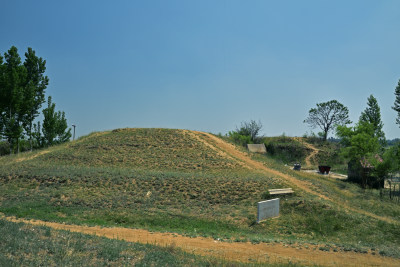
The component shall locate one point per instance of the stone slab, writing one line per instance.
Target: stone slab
(267, 209)
(257, 148)
(280, 191)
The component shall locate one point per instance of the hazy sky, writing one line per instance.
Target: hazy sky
(209, 65)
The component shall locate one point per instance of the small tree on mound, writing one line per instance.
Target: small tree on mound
(54, 125)
(248, 133)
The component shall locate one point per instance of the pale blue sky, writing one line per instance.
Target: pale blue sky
(208, 65)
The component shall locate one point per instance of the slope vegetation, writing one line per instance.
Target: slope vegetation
(309, 151)
(194, 184)
(154, 149)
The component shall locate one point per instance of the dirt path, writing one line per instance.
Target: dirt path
(314, 151)
(32, 155)
(252, 164)
(235, 251)
(197, 136)
(29, 157)
(229, 149)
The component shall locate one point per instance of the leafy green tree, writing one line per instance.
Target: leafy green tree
(239, 138)
(392, 155)
(327, 116)
(372, 115)
(359, 141)
(396, 106)
(35, 85)
(12, 96)
(54, 125)
(248, 133)
(63, 132)
(251, 129)
(22, 93)
(363, 149)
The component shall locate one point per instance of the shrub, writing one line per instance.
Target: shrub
(4, 148)
(248, 133)
(285, 149)
(240, 139)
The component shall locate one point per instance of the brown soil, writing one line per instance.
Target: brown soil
(312, 148)
(236, 251)
(196, 135)
(252, 164)
(314, 152)
(27, 157)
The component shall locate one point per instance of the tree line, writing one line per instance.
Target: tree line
(363, 145)
(22, 94)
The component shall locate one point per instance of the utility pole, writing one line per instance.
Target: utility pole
(73, 125)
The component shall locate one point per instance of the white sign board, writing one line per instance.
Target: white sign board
(267, 209)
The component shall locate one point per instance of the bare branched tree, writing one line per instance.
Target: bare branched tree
(327, 116)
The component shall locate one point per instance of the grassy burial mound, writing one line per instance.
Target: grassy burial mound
(146, 149)
(153, 178)
(194, 184)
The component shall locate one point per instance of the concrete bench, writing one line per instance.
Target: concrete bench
(282, 191)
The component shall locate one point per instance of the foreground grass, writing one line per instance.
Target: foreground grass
(26, 245)
(208, 196)
(178, 202)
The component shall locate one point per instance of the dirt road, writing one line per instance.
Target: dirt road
(314, 151)
(233, 251)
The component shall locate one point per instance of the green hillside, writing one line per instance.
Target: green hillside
(147, 149)
(195, 184)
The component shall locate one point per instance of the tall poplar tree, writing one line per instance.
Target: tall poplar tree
(35, 85)
(12, 95)
(372, 114)
(22, 93)
(396, 106)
